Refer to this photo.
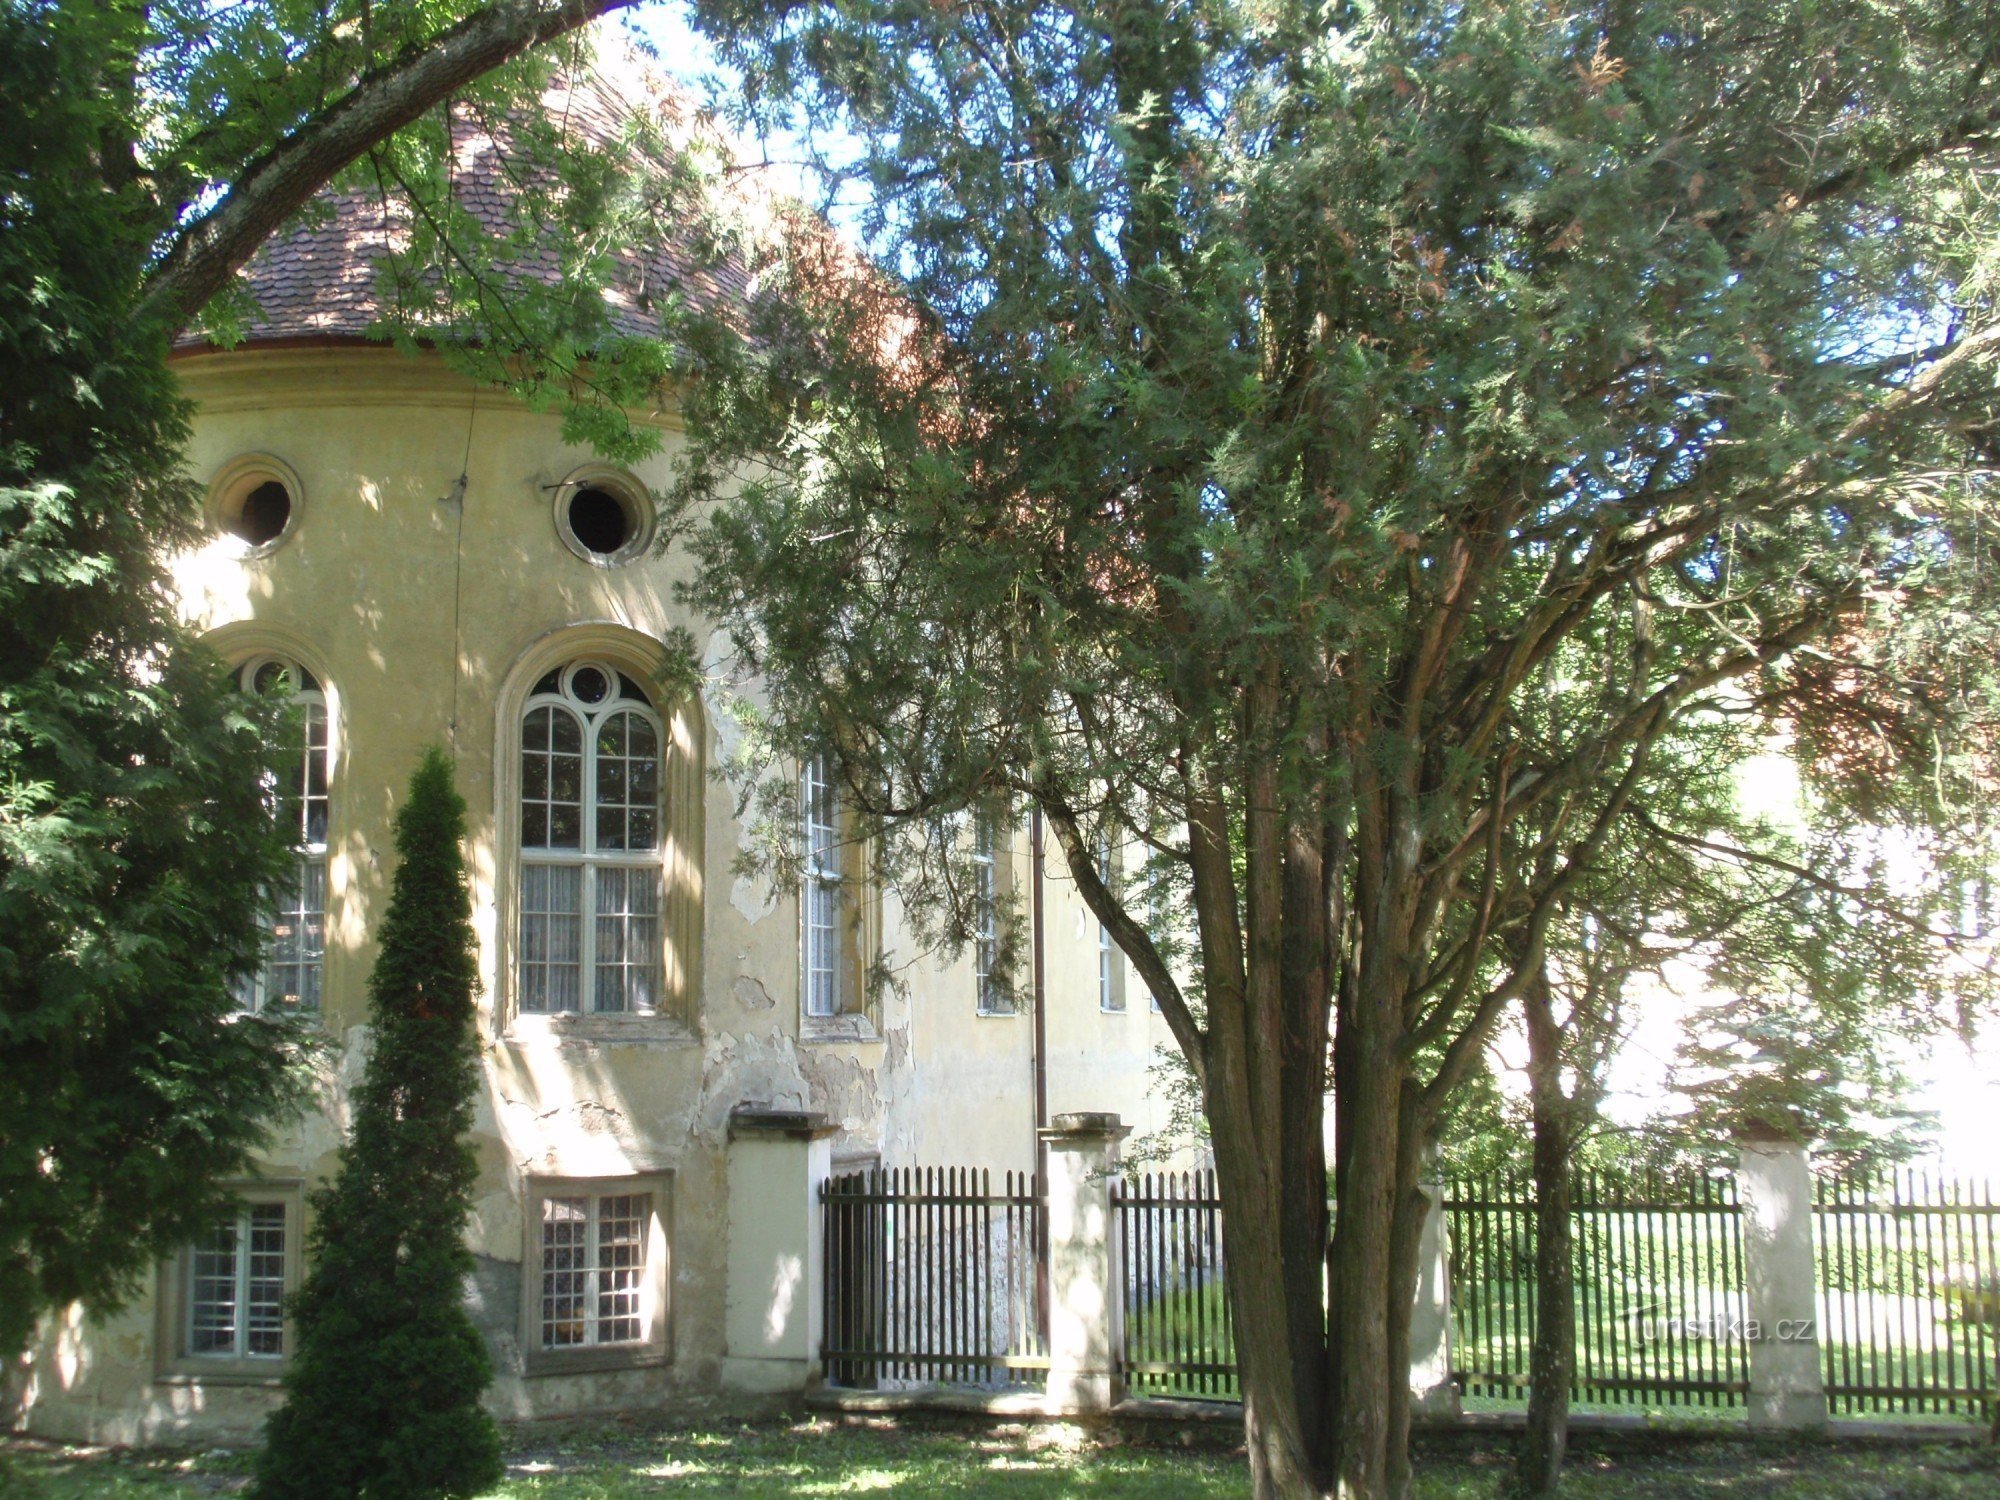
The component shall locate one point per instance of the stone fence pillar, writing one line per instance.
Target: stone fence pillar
(1433, 1391)
(1775, 1198)
(1086, 1302)
(773, 1289)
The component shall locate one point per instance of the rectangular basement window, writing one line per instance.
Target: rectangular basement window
(222, 1297)
(595, 1291)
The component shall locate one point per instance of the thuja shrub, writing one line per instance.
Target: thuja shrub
(382, 1394)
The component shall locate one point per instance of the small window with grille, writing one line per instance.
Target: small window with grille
(598, 1256)
(236, 1286)
(222, 1304)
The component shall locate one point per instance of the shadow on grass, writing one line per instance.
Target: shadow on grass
(799, 1458)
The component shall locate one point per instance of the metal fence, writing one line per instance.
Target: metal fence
(1179, 1338)
(1658, 1267)
(1909, 1292)
(932, 1277)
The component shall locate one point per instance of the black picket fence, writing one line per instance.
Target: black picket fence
(933, 1278)
(1658, 1267)
(1179, 1335)
(1909, 1281)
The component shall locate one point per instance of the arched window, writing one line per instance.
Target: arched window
(296, 925)
(591, 868)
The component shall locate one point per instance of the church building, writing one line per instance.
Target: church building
(419, 560)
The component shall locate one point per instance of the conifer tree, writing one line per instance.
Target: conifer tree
(1247, 406)
(150, 150)
(383, 1393)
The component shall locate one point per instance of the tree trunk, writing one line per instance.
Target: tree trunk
(1552, 1360)
(1264, 1084)
(1277, 1426)
(1368, 1085)
(1406, 1252)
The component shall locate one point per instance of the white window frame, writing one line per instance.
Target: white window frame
(1110, 962)
(178, 1306)
(255, 992)
(652, 1283)
(821, 949)
(244, 1302)
(587, 858)
(989, 997)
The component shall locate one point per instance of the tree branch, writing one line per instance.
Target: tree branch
(213, 246)
(1859, 895)
(1132, 939)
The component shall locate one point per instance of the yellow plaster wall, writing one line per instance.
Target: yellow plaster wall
(413, 608)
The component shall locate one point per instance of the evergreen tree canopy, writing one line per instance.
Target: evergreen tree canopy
(382, 1393)
(149, 150)
(135, 842)
(1247, 405)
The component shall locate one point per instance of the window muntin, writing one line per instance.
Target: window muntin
(594, 1259)
(591, 874)
(819, 894)
(236, 1287)
(989, 985)
(295, 922)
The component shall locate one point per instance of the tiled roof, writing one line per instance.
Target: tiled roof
(317, 278)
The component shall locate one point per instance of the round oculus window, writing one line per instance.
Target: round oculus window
(589, 684)
(265, 513)
(255, 502)
(599, 522)
(603, 517)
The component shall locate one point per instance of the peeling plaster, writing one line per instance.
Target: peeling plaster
(753, 898)
(750, 994)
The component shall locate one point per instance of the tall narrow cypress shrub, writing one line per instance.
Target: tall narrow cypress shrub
(382, 1396)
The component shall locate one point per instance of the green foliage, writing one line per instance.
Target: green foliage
(135, 841)
(135, 844)
(1379, 459)
(1216, 341)
(1822, 918)
(382, 1394)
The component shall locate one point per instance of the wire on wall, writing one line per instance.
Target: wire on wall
(456, 499)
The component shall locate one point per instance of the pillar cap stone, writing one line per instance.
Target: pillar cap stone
(757, 1120)
(1085, 1125)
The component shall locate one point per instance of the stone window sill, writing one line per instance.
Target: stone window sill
(186, 1372)
(540, 1362)
(852, 1026)
(615, 1029)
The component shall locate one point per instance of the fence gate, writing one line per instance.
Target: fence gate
(932, 1278)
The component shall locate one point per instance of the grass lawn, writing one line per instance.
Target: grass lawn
(779, 1459)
